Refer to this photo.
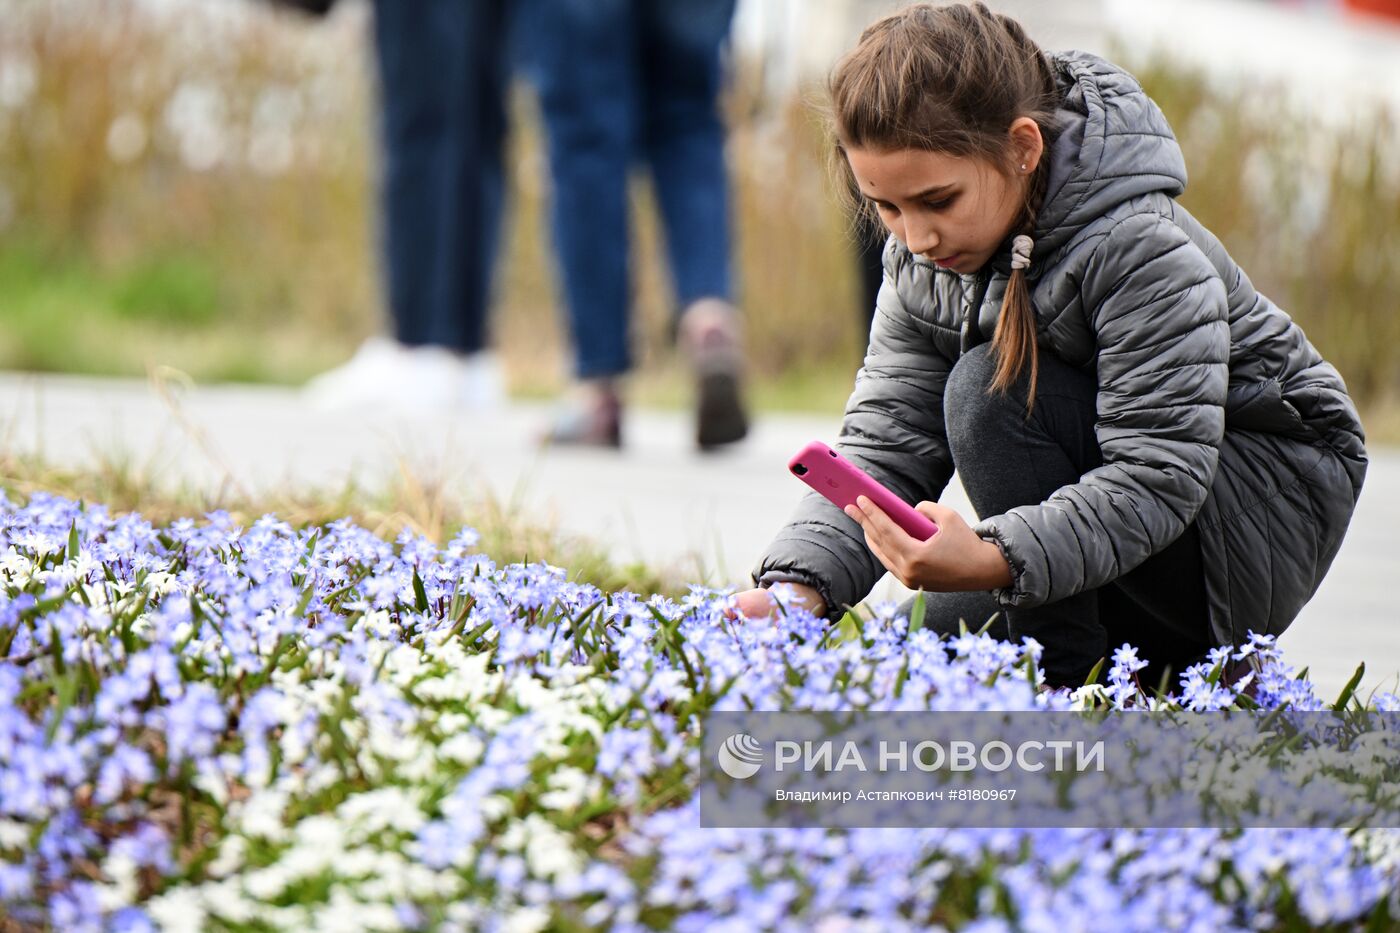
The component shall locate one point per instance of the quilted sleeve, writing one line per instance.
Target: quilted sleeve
(893, 429)
(1159, 314)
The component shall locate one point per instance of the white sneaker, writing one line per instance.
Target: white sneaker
(386, 373)
(481, 381)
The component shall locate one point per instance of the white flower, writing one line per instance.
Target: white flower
(357, 863)
(16, 566)
(178, 911)
(548, 851)
(526, 920)
(322, 777)
(210, 779)
(419, 769)
(230, 856)
(463, 748)
(325, 694)
(267, 883)
(570, 787)
(1382, 848)
(301, 861)
(378, 623)
(13, 835)
(452, 723)
(1087, 696)
(261, 815)
(122, 891)
(388, 741)
(404, 664)
(495, 806)
(465, 913)
(160, 583)
(320, 832)
(345, 914)
(492, 718)
(226, 901)
(385, 808)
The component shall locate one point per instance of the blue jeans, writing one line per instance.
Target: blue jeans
(443, 72)
(618, 81)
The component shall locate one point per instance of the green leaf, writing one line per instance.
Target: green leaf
(903, 675)
(916, 615)
(56, 649)
(1093, 677)
(73, 541)
(1350, 688)
(1282, 744)
(66, 692)
(305, 601)
(420, 595)
(988, 624)
(1164, 685)
(461, 614)
(1216, 673)
(857, 621)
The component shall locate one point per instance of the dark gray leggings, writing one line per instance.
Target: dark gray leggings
(1006, 459)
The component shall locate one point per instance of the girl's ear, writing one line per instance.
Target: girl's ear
(1027, 144)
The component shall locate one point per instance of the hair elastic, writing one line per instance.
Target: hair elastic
(1021, 251)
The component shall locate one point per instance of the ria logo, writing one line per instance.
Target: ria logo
(740, 756)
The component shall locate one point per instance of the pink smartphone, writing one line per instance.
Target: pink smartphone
(841, 481)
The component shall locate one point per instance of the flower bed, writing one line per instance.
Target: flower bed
(211, 727)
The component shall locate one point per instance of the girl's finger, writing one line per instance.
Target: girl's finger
(884, 558)
(873, 538)
(878, 541)
(891, 535)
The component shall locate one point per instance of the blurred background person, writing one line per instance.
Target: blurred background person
(624, 81)
(443, 74)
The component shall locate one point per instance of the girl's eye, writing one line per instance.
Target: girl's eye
(883, 206)
(939, 205)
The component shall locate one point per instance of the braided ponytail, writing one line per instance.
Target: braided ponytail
(1015, 338)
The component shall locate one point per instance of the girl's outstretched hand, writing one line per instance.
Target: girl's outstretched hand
(760, 604)
(956, 559)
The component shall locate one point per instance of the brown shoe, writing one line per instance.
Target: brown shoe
(709, 336)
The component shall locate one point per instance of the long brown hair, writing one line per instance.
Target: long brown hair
(951, 79)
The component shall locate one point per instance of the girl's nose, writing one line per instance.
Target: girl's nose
(920, 239)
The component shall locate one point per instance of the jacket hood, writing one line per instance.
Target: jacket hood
(1113, 144)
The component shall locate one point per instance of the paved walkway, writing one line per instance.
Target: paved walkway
(659, 501)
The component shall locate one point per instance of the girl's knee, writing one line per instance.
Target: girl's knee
(971, 374)
(968, 400)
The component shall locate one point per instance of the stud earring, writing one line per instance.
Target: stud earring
(1023, 166)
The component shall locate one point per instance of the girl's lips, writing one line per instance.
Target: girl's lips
(945, 263)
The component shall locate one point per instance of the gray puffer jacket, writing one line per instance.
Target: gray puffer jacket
(1213, 407)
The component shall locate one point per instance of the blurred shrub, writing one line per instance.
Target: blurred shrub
(205, 168)
(1311, 212)
(188, 164)
(177, 289)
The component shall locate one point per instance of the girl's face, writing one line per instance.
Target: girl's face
(952, 210)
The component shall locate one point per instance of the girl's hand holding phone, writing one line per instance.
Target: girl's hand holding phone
(954, 560)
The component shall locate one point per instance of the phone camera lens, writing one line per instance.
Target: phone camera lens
(799, 469)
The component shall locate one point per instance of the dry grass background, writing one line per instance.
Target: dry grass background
(195, 189)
